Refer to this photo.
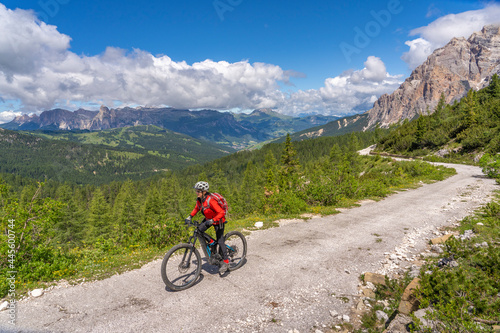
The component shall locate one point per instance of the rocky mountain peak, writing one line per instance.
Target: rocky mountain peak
(24, 118)
(488, 32)
(452, 70)
(103, 109)
(105, 119)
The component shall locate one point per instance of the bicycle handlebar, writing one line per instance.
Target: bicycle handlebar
(192, 224)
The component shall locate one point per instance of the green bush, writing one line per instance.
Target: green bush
(285, 203)
(491, 165)
(463, 296)
(162, 233)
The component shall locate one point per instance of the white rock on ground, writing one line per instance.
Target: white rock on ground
(37, 292)
(4, 306)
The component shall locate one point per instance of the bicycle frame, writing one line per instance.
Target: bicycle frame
(198, 235)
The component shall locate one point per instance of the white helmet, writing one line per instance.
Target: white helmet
(202, 186)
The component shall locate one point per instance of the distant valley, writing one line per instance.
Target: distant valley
(95, 147)
(86, 157)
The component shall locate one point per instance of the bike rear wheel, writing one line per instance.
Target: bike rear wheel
(181, 267)
(236, 249)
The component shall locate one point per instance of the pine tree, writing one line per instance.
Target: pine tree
(218, 183)
(441, 104)
(290, 165)
(99, 217)
(70, 229)
(175, 198)
(271, 171)
(470, 108)
(421, 129)
(335, 154)
(250, 195)
(27, 193)
(126, 212)
(353, 145)
(494, 86)
(153, 207)
(202, 177)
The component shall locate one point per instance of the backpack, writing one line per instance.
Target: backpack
(220, 200)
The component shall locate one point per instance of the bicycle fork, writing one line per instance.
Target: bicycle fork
(186, 262)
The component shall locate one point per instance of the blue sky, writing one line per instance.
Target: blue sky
(295, 56)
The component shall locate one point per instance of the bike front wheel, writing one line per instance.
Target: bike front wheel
(181, 267)
(236, 249)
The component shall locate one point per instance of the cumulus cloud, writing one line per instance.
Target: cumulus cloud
(420, 49)
(24, 42)
(7, 116)
(349, 93)
(38, 71)
(37, 68)
(442, 30)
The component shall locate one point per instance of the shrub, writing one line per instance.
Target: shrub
(491, 165)
(464, 296)
(285, 203)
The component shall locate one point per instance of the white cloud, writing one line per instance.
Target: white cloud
(25, 43)
(439, 32)
(7, 116)
(37, 68)
(420, 49)
(349, 93)
(38, 71)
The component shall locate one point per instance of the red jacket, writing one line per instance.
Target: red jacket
(210, 209)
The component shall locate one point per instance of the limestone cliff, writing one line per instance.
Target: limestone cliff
(105, 119)
(451, 70)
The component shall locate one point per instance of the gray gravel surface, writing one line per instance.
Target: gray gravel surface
(295, 278)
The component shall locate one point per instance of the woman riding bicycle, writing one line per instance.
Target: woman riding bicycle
(214, 216)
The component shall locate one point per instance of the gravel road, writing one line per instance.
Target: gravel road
(294, 279)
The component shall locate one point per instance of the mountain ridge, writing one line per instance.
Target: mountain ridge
(237, 131)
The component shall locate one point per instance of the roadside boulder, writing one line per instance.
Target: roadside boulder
(440, 240)
(399, 324)
(368, 292)
(382, 316)
(427, 324)
(375, 278)
(409, 302)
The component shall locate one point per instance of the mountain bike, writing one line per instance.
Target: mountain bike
(181, 266)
